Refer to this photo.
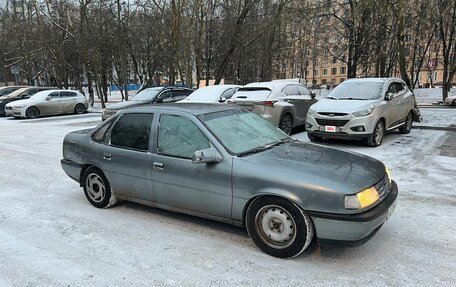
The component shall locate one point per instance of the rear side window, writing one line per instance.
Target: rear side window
(132, 131)
(68, 94)
(179, 95)
(179, 137)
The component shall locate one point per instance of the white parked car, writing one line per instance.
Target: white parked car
(451, 100)
(211, 94)
(51, 102)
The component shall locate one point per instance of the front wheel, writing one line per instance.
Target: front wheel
(279, 227)
(376, 138)
(97, 188)
(405, 129)
(32, 113)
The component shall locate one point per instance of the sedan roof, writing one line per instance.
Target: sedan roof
(191, 108)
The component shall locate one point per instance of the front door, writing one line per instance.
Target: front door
(52, 105)
(179, 183)
(124, 156)
(393, 115)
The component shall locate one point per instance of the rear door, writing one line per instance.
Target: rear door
(68, 101)
(124, 156)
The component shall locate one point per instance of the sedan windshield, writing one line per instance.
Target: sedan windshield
(242, 132)
(146, 95)
(357, 91)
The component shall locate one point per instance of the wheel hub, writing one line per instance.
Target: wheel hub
(277, 227)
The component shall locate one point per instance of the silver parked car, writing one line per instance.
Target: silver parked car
(224, 163)
(283, 103)
(211, 94)
(362, 109)
(50, 102)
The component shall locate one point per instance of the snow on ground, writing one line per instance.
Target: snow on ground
(51, 236)
(438, 117)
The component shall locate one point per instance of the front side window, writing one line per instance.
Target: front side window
(166, 97)
(132, 131)
(179, 137)
(54, 95)
(179, 95)
(399, 87)
(303, 91)
(291, 90)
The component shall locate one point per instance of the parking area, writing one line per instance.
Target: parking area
(51, 236)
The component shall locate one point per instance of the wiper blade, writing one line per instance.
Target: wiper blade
(266, 147)
(331, 97)
(350, 98)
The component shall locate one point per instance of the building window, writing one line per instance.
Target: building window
(334, 60)
(343, 70)
(333, 71)
(323, 81)
(315, 73)
(325, 72)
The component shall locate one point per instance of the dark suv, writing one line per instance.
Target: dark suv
(19, 94)
(154, 95)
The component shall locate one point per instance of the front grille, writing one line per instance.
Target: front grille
(332, 114)
(328, 122)
(383, 187)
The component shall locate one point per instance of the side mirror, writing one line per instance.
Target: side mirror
(389, 96)
(222, 100)
(24, 97)
(159, 100)
(48, 98)
(312, 95)
(208, 155)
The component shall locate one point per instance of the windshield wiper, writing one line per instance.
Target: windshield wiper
(266, 147)
(350, 98)
(331, 97)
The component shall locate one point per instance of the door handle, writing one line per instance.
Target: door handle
(107, 156)
(158, 165)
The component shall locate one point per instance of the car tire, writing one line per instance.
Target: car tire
(97, 189)
(376, 138)
(454, 103)
(286, 123)
(313, 138)
(407, 127)
(79, 109)
(279, 227)
(32, 113)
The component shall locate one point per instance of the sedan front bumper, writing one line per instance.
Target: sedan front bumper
(353, 229)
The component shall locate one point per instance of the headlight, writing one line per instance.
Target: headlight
(311, 111)
(362, 199)
(18, 107)
(364, 112)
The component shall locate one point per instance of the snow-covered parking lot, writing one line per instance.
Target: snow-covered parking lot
(51, 236)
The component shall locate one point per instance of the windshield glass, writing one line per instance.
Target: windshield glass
(40, 95)
(252, 93)
(234, 127)
(146, 95)
(357, 91)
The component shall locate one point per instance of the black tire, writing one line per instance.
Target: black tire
(313, 138)
(286, 123)
(407, 127)
(376, 138)
(97, 189)
(79, 109)
(454, 103)
(289, 230)
(32, 113)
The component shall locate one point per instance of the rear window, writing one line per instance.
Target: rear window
(252, 93)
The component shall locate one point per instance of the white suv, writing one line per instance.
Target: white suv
(362, 109)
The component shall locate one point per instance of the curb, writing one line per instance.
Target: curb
(448, 129)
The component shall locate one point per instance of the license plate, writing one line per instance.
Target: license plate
(391, 210)
(330, 129)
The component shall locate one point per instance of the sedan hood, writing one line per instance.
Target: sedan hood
(321, 168)
(341, 106)
(126, 104)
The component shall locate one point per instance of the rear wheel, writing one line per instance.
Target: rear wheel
(97, 188)
(279, 227)
(79, 109)
(454, 103)
(405, 129)
(376, 138)
(286, 123)
(32, 113)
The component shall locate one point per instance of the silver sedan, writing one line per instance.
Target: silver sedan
(227, 164)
